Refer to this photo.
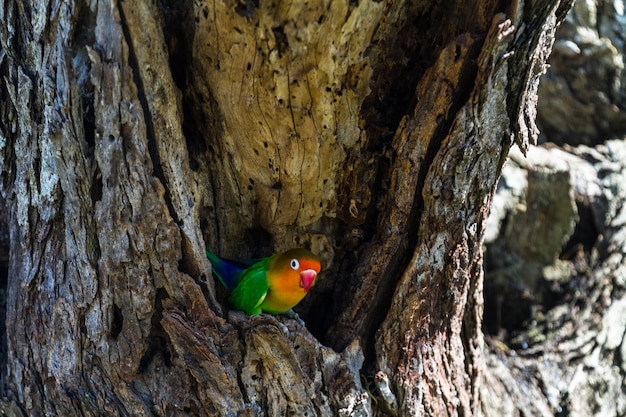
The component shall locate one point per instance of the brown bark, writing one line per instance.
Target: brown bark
(135, 134)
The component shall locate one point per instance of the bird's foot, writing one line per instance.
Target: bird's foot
(293, 315)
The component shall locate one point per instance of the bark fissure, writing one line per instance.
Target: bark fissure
(147, 114)
(365, 131)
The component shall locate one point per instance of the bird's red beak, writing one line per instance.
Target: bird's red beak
(307, 278)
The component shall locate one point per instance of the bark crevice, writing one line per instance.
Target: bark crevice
(365, 131)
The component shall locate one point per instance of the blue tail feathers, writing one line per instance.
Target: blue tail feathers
(228, 271)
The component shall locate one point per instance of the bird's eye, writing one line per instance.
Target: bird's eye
(295, 264)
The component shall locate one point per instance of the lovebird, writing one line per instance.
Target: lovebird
(272, 285)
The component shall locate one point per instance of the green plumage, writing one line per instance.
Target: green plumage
(251, 289)
(247, 280)
(272, 285)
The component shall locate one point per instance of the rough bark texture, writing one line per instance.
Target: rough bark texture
(134, 134)
(555, 292)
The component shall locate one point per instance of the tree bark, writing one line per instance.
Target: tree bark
(555, 250)
(135, 134)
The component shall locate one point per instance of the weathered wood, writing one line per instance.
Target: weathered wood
(134, 134)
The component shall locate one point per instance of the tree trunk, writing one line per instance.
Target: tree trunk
(135, 134)
(555, 263)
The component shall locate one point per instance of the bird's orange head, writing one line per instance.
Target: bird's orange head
(296, 268)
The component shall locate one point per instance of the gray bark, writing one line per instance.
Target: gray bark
(583, 96)
(135, 134)
(554, 287)
(560, 345)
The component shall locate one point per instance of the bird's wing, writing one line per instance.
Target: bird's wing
(229, 271)
(251, 290)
